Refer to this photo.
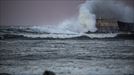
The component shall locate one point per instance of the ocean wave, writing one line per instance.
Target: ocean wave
(49, 33)
(46, 32)
(56, 36)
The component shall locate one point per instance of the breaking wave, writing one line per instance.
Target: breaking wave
(44, 32)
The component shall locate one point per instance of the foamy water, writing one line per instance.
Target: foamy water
(67, 57)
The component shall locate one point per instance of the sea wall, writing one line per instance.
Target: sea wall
(107, 25)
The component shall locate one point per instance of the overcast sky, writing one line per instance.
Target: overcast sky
(41, 12)
(37, 12)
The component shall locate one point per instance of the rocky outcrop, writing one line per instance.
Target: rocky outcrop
(49, 73)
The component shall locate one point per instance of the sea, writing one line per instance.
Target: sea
(32, 50)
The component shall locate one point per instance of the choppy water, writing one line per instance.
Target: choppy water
(51, 33)
(67, 57)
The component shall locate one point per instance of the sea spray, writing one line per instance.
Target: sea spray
(112, 9)
(86, 18)
(88, 13)
(84, 22)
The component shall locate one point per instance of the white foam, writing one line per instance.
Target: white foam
(50, 35)
(102, 35)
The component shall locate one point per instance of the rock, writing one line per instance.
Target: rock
(49, 73)
(4, 74)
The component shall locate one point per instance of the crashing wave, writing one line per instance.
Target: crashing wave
(48, 32)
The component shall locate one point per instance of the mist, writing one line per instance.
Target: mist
(121, 10)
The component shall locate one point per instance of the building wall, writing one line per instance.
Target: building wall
(107, 25)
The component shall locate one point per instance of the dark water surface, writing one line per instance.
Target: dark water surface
(67, 57)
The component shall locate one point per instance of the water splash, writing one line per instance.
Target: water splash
(86, 18)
